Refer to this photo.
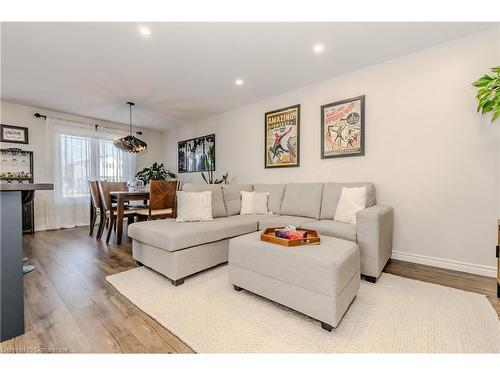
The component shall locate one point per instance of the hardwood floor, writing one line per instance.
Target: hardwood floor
(71, 308)
(454, 279)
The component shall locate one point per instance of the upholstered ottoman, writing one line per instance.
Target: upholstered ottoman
(320, 281)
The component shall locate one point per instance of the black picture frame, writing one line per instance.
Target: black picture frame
(296, 108)
(187, 161)
(3, 127)
(361, 151)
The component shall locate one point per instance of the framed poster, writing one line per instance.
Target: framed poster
(343, 128)
(14, 134)
(196, 154)
(282, 137)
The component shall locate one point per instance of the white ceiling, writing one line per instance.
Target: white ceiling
(186, 71)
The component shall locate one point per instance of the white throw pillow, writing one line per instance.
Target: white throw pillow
(260, 203)
(253, 203)
(351, 201)
(194, 206)
(246, 203)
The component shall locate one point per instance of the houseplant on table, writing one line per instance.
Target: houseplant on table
(155, 172)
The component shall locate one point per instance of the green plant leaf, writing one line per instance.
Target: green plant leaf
(483, 81)
(488, 106)
(203, 175)
(496, 115)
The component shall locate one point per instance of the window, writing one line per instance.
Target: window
(75, 166)
(82, 154)
(114, 165)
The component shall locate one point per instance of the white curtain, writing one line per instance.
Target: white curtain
(76, 153)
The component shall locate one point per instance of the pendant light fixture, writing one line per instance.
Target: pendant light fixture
(130, 143)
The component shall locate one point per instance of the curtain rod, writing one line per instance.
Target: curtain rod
(38, 115)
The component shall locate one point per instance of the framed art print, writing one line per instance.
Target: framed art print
(14, 134)
(282, 137)
(343, 128)
(196, 154)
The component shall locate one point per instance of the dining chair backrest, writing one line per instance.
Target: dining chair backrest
(94, 194)
(162, 194)
(105, 187)
(105, 197)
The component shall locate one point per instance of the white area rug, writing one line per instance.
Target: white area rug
(393, 315)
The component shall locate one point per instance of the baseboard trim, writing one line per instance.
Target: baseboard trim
(41, 228)
(476, 269)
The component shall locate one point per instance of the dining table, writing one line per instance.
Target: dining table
(121, 198)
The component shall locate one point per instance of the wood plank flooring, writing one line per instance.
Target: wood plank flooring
(71, 308)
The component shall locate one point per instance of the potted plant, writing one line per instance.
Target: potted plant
(488, 94)
(155, 172)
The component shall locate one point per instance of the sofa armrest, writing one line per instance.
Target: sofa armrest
(374, 228)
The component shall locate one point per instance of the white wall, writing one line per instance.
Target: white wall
(22, 115)
(429, 154)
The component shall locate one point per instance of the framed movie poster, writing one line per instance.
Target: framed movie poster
(343, 128)
(282, 136)
(14, 134)
(196, 154)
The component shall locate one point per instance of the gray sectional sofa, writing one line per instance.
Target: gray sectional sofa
(177, 250)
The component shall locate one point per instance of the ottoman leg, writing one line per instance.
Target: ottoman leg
(326, 326)
(237, 288)
(177, 282)
(371, 279)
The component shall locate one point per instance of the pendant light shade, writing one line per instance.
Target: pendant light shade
(130, 143)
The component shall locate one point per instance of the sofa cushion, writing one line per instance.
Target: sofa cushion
(232, 197)
(333, 229)
(218, 208)
(276, 192)
(267, 221)
(172, 236)
(331, 196)
(302, 200)
(194, 206)
(324, 268)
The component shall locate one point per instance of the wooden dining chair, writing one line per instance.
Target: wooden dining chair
(105, 188)
(162, 200)
(96, 209)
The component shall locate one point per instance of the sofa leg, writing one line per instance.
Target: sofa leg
(371, 279)
(139, 264)
(326, 326)
(237, 288)
(177, 282)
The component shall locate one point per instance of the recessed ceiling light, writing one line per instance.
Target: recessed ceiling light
(239, 82)
(318, 48)
(144, 31)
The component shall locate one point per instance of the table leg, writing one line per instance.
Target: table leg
(119, 218)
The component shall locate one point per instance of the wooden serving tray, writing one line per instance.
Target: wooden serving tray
(312, 238)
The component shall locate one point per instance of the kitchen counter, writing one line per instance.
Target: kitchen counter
(12, 196)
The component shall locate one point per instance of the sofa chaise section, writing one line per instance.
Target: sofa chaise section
(177, 250)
